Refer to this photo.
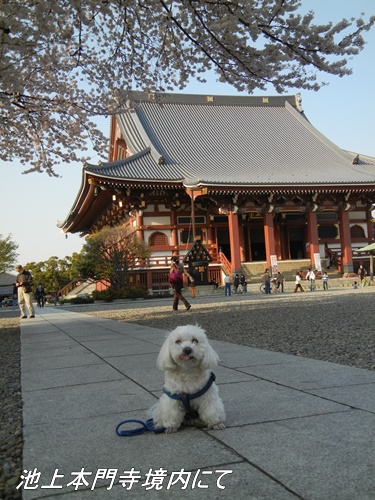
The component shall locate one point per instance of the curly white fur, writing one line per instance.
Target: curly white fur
(187, 358)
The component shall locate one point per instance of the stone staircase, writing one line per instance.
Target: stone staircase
(85, 287)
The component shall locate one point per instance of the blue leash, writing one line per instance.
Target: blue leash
(146, 426)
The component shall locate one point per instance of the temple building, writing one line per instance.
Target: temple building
(250, 176)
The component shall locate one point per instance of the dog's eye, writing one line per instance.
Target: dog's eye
(178, 341)
(195, 341)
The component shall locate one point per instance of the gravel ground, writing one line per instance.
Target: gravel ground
(11, 440)
(336, 326)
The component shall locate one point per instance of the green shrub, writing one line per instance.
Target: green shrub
(135, 292)
(81, 300)
(106, 295)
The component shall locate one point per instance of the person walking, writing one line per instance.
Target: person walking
(174, 264)
(227, 285)
(280, 281)
(267, 282)
(56, 298)
(325, 279)
(40, 296)
(298, 282)
(24, 282)
(176, 281)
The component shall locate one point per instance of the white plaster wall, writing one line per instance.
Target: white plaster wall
(357, 215)
(156, 221)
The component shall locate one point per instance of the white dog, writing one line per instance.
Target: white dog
(186, 357)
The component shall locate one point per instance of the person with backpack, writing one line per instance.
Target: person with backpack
(24, 282)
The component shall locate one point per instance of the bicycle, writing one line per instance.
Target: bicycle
(273, 287)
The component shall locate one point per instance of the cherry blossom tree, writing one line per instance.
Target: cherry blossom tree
(65, 62)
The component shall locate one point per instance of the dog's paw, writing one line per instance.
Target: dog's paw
(171, 430)
(218, 427)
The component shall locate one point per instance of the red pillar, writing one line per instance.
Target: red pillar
(277, 233)
(312, 235)
(139, 226)
(242, 241)
(234, 239)
(269, 237)
(211, 240)
(346, 243)
(174, 235)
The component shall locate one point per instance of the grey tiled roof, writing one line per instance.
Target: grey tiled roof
(141, 165)
(230, 141)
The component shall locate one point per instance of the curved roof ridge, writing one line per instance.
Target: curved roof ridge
(92, 168)
(134, 133)
(211, 99)
(306, 123)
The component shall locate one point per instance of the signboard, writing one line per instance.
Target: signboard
(318, 264)
(273, 259)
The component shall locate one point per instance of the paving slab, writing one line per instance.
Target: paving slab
(296, 427)
(327, 457)
(361, 396)
(306, 374)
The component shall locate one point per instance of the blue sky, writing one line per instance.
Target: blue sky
(344, 111)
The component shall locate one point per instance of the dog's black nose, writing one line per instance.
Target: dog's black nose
(187, 350)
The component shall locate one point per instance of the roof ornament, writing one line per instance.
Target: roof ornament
(355, 160)
(130, 105)
(299, 102)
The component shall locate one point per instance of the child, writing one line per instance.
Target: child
(325, 279)
(355, 285)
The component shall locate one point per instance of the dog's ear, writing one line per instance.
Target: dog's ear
(164, 360)
(210, 358)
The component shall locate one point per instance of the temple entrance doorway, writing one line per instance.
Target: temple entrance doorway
(257, 244)
(296, 242)
(223, 242)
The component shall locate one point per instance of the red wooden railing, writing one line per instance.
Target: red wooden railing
(225, 263)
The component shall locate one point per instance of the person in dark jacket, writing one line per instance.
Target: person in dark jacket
(236, 283)
(40, 296)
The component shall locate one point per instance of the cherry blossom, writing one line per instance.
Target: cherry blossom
(65, 62)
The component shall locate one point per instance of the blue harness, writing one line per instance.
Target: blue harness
(149, 424)
(186, 398)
